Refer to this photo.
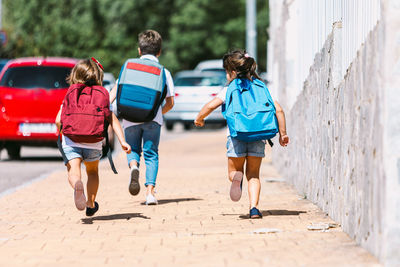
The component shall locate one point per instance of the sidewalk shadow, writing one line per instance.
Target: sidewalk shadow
(176, 200)
(123, 216)
(270, 213)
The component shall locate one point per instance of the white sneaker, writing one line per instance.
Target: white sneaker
(134, 186)
(151, 200)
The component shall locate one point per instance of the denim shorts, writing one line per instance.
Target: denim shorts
(86, 154)
(239, 149)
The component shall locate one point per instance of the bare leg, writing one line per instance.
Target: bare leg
(150, 189)
(235, 169)
(253, 177)
(74, 171)
(74, 178)
(234, 165)
(92, 170)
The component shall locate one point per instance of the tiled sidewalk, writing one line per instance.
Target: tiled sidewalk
(195, 223)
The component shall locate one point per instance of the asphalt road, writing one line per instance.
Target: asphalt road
(37, 163)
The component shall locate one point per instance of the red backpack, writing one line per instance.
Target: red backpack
(84, 117)
(85, 113)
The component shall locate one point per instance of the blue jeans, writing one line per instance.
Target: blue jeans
(149, 132)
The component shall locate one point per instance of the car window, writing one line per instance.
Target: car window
(200, 81)
(218, 70)
(46, 77)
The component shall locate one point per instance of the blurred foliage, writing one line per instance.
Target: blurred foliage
(107, 29)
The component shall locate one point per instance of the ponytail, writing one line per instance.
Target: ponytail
(240, 62)
(252, 68)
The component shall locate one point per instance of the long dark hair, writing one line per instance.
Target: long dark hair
(240, 62)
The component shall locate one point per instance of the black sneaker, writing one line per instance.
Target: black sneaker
(92, 211)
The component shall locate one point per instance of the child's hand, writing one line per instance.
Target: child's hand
(199, 123)
(126, 147)
(284, 140)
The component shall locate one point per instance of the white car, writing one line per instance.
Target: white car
(108, 83)
(214, 65)
(193, 89)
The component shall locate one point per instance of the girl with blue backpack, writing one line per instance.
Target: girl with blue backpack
(253, 118)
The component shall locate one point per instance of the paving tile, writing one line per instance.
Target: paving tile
(195, 223)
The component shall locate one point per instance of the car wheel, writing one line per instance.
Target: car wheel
(14, 151)
(169, 126)
(187, 126)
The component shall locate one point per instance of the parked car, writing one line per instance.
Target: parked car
(31, 92)
(193, 89)
(108, 83)
(213, 65)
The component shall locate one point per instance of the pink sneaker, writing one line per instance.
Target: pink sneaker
(236, 186)
(79, 196)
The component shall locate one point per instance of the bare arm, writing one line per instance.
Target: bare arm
(113, 93)
(206, 110)
(280, 116)
(120, 135)
(58, 119)
(169, 103)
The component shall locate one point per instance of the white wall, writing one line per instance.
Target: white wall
(343, 112)
(306, 25)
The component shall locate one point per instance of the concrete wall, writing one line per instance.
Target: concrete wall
(344, 151)
(391, 130)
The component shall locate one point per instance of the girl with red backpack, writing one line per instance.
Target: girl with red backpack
(83, 120)
(250, 113)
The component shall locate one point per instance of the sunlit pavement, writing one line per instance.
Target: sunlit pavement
(195, 223)
(38, 162)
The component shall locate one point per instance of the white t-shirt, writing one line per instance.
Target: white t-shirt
(98, 145)
(170, 92)
(222, 94)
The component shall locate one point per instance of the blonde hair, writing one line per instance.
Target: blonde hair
(86, 72)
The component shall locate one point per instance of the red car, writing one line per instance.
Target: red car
(31, 92)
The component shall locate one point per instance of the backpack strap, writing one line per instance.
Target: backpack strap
(270, 142)
(59, 145)
(109, 154)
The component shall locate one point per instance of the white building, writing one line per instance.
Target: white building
(335, 67)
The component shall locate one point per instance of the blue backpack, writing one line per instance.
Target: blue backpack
(250, 111)
(141, 90)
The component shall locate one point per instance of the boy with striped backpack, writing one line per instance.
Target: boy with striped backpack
(143, 85)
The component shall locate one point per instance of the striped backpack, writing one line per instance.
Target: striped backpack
(141, 90)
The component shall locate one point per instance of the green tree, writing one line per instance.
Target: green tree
(207, 29)
(107, 29)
